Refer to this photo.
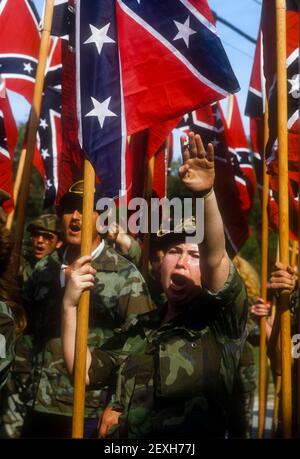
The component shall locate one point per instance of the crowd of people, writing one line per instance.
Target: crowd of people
(171, 357)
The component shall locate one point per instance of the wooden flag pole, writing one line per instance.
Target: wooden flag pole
(17, 185)
(83, 308)
(294, 253)
(229, 110)
(276, 405)
(264, 277)
(33, 124)
(147, 197)
(285, 322)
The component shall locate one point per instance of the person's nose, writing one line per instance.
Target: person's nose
(40, 238)
(76, 215)
(182, 260)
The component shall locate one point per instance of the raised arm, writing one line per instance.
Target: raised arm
(197, 173)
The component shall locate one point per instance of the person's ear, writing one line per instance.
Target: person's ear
(59, 244)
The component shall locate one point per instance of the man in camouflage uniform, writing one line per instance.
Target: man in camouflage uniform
(119, 293)
(175, 366)
(45, 239)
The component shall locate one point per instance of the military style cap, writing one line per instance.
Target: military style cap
(73, 199)
(172, 232)
(46, 222)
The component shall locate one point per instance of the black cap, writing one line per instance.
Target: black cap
(73, 199)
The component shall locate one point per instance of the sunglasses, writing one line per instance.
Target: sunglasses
(48, 237)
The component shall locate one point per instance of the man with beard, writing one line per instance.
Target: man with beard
(119, 294)
(175, 366)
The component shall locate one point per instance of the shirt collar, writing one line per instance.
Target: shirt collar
(95, 253)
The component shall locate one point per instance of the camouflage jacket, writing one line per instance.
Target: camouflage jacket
(29, 262)
(177, 378)
(119, 293)
(7, 342)
(134, 253)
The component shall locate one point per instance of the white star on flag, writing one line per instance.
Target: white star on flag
(27, 67)
(45, 153)
(99, 37)
(43, 124)
(48, 184)
(101, 110)
(295, 86)
(184, 31)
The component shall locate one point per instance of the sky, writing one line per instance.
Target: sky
(244, 14)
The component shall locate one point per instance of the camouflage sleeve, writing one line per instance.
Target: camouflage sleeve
(7, 341)
(107, 360)
(134, 253)
(101, 369)
(231, 306)
(134, 296)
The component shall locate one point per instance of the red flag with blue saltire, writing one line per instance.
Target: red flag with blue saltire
(238, 146)
(270, 63)
(8, 142)
(49, 132)
(259, 86)
(140, 64)
(19, 45)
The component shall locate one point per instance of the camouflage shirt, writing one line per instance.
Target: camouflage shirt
(28, 263)
(7, 341)
(119, 293)
(177, 378)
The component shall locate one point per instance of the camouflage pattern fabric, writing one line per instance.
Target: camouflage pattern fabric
(244, 390)
(28, 263)
(119, 293)
(27, 266)
(19, 392)
(7, 342)
(176, 378)
(134, 253)
(46, 222)
(242, 402)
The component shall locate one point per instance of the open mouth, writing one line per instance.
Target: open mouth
(39, 250)
(178, 282)
(74, 227)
